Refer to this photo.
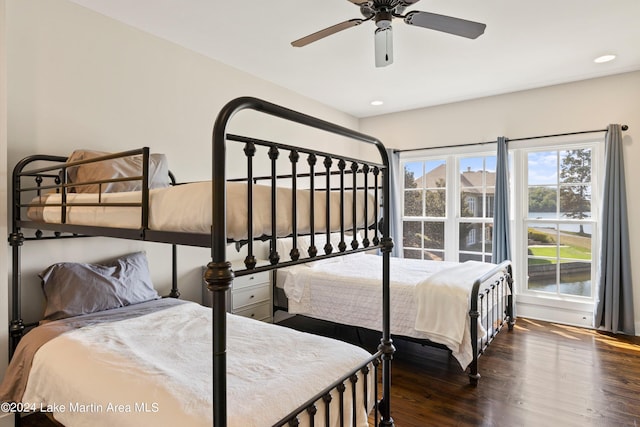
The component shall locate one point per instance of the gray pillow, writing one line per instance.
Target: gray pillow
(72, 289)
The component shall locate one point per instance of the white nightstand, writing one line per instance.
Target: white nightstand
(250, 295)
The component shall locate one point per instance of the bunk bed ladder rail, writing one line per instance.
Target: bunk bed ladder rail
(219, 275)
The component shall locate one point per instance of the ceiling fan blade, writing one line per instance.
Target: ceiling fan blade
(326, 32)
(384, 47)
(358, 2)
(446, 24)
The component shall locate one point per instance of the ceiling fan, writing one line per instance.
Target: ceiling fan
(382, 12)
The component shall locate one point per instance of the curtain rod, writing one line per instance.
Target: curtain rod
(624, 127)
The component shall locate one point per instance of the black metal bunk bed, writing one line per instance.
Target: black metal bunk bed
(219, 275)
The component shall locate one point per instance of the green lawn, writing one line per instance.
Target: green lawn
(572, 252)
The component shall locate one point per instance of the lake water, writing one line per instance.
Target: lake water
(571, 227)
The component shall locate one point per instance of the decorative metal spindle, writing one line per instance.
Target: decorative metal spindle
(354, 210)
(63, 199)
(354, 380)
(327, 409)
(145, 188)
(274, 258)
(365, 171)
(312, 411)
(342, 246)
(38, 184)
(294, 157)
(376, 172)
(313, 251)
(295, 422)
(250, 151)
(365, 372)
(327, 164)
(341, 388)
(376, 403)
(494, 311)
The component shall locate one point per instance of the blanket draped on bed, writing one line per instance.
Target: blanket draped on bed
(443, 307)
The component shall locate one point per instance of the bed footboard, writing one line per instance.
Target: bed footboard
(360, 385)
(491, 307)
(219, 275)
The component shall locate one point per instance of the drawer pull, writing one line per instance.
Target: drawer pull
(251, 296)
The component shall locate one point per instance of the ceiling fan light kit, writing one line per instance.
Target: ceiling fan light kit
(382, 13)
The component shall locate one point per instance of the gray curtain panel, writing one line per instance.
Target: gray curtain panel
(395, 222)
(614, 308)
(501, 234)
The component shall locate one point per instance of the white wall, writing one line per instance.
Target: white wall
(586, 105)
(78, 79)
(7, 420)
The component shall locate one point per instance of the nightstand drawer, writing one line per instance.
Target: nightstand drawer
(258, 312)
(250, 280)
(251, 295)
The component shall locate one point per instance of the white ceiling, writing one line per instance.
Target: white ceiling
(527, 44)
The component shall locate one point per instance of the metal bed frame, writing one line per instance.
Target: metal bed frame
(490, 304)
(219, 275)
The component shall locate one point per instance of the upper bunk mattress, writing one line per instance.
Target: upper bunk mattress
(187, 208)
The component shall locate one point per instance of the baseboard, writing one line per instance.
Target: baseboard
(555, 314)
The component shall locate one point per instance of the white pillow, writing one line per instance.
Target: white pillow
(116, 168)
(283, 247)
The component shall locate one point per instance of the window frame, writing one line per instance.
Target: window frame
(521, 152)
(452, 218)
(574, 305)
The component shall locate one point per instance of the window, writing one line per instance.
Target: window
(435, 225)
(477, 180)
(425, 209)
(448, 215)
(559, 222)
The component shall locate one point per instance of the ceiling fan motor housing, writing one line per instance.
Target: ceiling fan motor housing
(383, 19)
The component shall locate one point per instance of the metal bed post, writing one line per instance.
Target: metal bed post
(510, 308)
(386, 343)
(219, 275)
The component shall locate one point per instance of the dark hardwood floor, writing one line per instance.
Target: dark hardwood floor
(540, 374)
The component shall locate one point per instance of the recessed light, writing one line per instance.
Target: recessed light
(377, 103)
(604, 58)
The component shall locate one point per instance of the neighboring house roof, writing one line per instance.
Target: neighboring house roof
(433, 179)
(468, 178)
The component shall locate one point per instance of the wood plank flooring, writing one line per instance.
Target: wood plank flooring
(540, 374)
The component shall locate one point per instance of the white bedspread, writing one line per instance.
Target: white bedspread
(156, 370)
(187, 208)
(450, 289)
(349, 291)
